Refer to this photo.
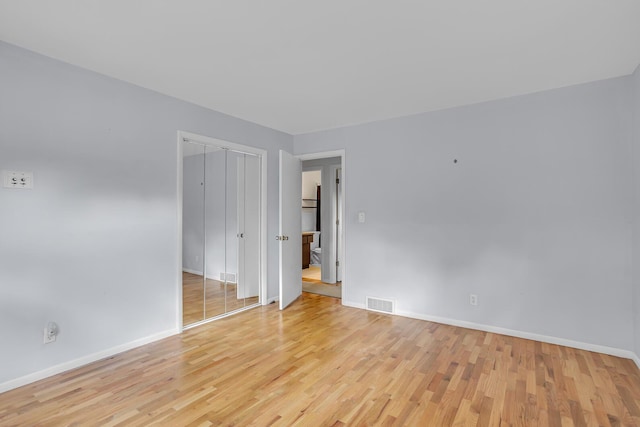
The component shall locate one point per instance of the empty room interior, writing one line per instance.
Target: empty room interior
(472, 205)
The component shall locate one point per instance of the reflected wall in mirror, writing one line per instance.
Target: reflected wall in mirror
(221, 231)
(192, 233)
(215, 225)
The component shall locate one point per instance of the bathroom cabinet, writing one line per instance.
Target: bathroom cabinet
(307, 238)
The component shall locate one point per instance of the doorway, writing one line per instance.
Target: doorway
(321, 220)
(311, 225)
(290, 223)
(222, 228)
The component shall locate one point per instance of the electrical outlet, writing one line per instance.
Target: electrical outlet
(48, 338)
(21, 180)
(473, 299)
(50, 332)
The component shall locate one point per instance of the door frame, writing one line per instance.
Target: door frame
(342, 155)
(184, 136)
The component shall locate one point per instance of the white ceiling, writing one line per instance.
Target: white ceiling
(300, 66)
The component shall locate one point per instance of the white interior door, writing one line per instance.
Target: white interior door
(290, 235)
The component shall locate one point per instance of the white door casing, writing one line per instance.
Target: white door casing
(339, 246)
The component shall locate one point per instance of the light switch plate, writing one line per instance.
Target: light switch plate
(15, 179)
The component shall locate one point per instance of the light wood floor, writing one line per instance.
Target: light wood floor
(312, 274)
(321, 364)
(219, 299)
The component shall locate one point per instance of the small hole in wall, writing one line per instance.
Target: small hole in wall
(455, 160)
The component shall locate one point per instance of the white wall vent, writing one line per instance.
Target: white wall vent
(381, 305)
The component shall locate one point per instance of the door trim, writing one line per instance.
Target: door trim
(206, 140)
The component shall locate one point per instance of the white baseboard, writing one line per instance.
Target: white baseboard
(271, 300)
(520, 334)
(627, 354)
(636, 359)
(353, 304)
(76, 363)
(54, 370)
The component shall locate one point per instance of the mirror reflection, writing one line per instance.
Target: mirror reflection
(221, 231)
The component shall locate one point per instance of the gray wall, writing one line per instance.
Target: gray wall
(635, 82)
(94, 245)
(534, 218)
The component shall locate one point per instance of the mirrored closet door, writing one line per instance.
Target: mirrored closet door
(220, 231)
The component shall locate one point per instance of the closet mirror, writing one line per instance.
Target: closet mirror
(220, 231)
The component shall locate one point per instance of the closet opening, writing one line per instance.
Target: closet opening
(221, 187)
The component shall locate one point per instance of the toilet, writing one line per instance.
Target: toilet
(316, 252)
(316, 256)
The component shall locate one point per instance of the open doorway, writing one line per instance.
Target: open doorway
(311, 226)
(322, 226)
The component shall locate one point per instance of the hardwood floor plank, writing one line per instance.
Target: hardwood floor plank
(319, 363)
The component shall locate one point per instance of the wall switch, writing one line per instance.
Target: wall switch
(14, 179)
(361, 217)
(473, 299)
